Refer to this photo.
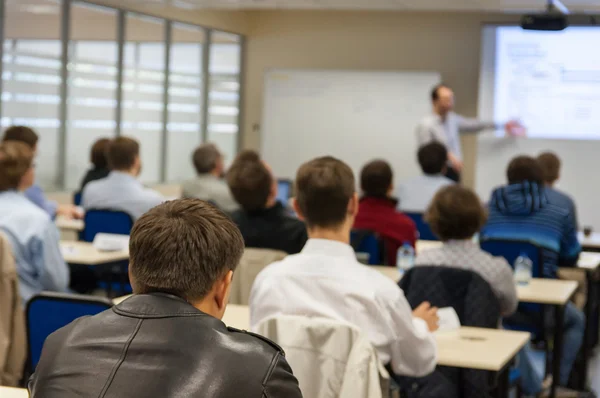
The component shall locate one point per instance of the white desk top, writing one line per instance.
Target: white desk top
(423, 245)
(237, 316)
(547, 291)
(592, 241)
(8, 392)
(477, 348)
(588, 260)
(85, 253)
(118, 300)
(69, 224)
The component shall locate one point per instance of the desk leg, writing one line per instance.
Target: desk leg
(503, 386)
(590, 304)
(559, 317)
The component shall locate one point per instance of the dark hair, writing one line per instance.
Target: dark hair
(324, 187)
(433, 157)
(455, 213)
(550, 164)
(376, 178)
(23, 134)
(524, 168)
(205, 158)
(122, 152)
(249, 181)
(183, 247)
(15, 160)
(98, 153)
(435, 91)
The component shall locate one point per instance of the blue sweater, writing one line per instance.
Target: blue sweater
(523, 211)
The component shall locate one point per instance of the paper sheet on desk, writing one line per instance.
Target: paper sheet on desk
(68, 250)
(448, 319)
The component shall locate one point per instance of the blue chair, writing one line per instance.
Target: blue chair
(77, 198)
(425, 232)
(365, 241)
(48, 312)
(105, 221)
(284, 190)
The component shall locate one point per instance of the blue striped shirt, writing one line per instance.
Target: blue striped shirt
(522, 211)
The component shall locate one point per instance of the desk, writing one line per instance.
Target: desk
(591, 242)
(423, 245)
(119, 300)
(556, 293)
(8, 392)
(85, 253)
(69, 224)
(237, 316)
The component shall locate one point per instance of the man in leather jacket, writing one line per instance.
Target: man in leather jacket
(167, 340)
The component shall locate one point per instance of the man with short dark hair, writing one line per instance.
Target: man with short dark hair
(415, 194)
(377, 209)
(445, 126)
(209, 184)
(550, 164)
(32, 234)
(168, 339)
(521, 210)
(325, 279)
(264, 221)
(35, 193)
(121, 190)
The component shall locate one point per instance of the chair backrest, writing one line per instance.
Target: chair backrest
(366, 241)
(252, 262)
(49, 311)
(12, 322)
(348, 365)
(107, 221)
(425, 232)
(511, 249)
(77, 198)
(284, 190)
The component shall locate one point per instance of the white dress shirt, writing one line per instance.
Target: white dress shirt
(325, 280)
(415, 195)
(120, 192)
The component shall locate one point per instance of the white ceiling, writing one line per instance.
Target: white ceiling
(422, 5)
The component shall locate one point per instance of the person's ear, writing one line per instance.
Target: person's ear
(222, 292)
(297, 210)
(353, 205)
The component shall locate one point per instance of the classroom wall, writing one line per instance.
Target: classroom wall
(448, 43)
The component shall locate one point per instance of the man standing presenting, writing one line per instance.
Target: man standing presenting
(445, 126)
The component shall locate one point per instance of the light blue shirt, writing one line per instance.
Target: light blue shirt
(34, 240)
(35, 194)
(415, 195)
(121, 192)
(447, 131)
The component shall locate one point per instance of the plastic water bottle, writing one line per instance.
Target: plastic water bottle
(523, 269)
(405, 258)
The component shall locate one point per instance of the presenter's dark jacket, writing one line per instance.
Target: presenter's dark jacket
(271, 228)
(159, 346)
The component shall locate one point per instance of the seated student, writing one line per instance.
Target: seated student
(521, 210)
(550, 164)
(35, 193)
(168, 340)
(326, 280)
(415, 195)
(264, 222)
(100, 164)
(210, 185)
(455, 215)
(121, 190)
(377, 209)
(33, 236)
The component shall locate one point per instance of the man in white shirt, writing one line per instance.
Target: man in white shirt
(415, 195)
(325, 279)
(121, 190)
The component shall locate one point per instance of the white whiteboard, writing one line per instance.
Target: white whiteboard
(352, 115)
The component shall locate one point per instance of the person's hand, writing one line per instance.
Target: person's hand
(429, 314)
(69, 211)
(455, 162)
(514, 128)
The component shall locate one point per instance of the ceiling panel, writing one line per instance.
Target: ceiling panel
(425, 5)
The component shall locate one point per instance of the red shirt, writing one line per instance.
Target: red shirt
(380, 215)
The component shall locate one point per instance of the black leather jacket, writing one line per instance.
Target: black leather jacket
(158, 345)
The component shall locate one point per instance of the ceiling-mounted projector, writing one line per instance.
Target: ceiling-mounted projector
(555, 18)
